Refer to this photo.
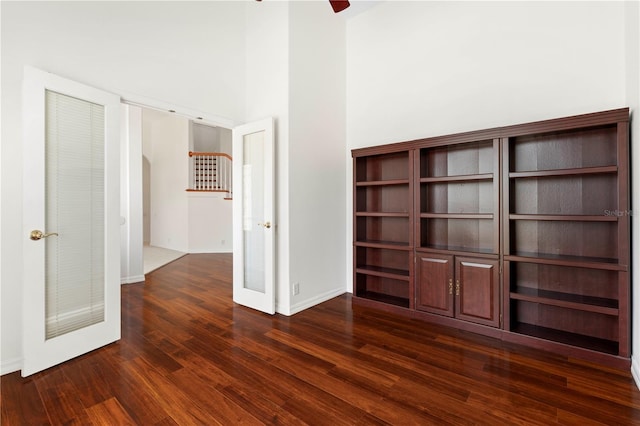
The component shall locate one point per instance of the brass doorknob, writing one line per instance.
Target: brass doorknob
(38, 235)
(266, 224)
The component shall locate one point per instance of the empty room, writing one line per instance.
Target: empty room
(413, 212)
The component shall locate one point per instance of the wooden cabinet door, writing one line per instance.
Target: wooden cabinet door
(435, 284)
(477, 291)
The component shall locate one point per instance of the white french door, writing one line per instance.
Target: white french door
(253, 216)
(71, 299)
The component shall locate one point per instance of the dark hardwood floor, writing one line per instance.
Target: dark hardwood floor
(188, 355)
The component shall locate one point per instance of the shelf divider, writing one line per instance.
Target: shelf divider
(456, 215)
(572, 218)
(383, 182)
(457, 178)
(564, 172)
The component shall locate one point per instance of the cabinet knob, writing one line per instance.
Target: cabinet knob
(457, 287)
(450, 285)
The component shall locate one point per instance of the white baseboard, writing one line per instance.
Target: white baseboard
(204, 251)
(306, 304)
(10, 366)
(133, 279)
(635, 371)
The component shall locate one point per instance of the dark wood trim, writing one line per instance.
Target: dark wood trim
(210, 154)
(619, 362)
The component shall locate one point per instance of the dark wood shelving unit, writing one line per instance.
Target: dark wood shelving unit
(383, 218)
(520, 232)
(561, 191)
(457, 211)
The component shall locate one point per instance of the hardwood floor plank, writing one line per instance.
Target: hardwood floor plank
(508, 408)
(21, 401)
(109, 413)
(130, 392)
(92, 387)
(206, 395)
(189, 355)
(182, 409)
(59, 398)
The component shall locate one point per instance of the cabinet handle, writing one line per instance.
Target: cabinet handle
(450, 285)
(457, 287)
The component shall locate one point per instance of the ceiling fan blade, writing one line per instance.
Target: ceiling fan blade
(339, 5)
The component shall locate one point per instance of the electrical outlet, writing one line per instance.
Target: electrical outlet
(296, 289)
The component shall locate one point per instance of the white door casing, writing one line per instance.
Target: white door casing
(40, 352)
(253, 216)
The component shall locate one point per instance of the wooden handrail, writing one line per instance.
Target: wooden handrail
(209, 172)
(211, 154)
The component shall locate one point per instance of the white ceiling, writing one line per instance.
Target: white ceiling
(356, 7)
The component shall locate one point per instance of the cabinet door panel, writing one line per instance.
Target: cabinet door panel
(435, 284)
(477, 289)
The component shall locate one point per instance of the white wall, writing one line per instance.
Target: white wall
(164, 53)
(420, 69)
(225, 140)
(210, 227)
(168, 136)
(317, 133)
(267, 76)
(632, 14)
(205, 138)
(295, 73)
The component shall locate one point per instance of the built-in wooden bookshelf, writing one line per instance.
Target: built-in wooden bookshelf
(519, 232)
(566, 244)
(383, 221)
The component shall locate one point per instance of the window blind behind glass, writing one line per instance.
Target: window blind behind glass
(74, 204)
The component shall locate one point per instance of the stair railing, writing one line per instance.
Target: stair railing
(210, 172)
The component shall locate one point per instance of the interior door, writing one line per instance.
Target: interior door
(253, 216)
(71, 299)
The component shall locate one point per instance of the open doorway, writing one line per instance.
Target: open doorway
(174, 219)
(153, 257)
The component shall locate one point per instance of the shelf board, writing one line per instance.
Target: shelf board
(383, 182)
(382, 214)
(396, 274)
(458, 249)
(394, 245)
(572, 218)
(561, 260)
(384, 298)
(456, 215)
(573, 339)
(457, 178)
(564, 172)
(566, 300)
